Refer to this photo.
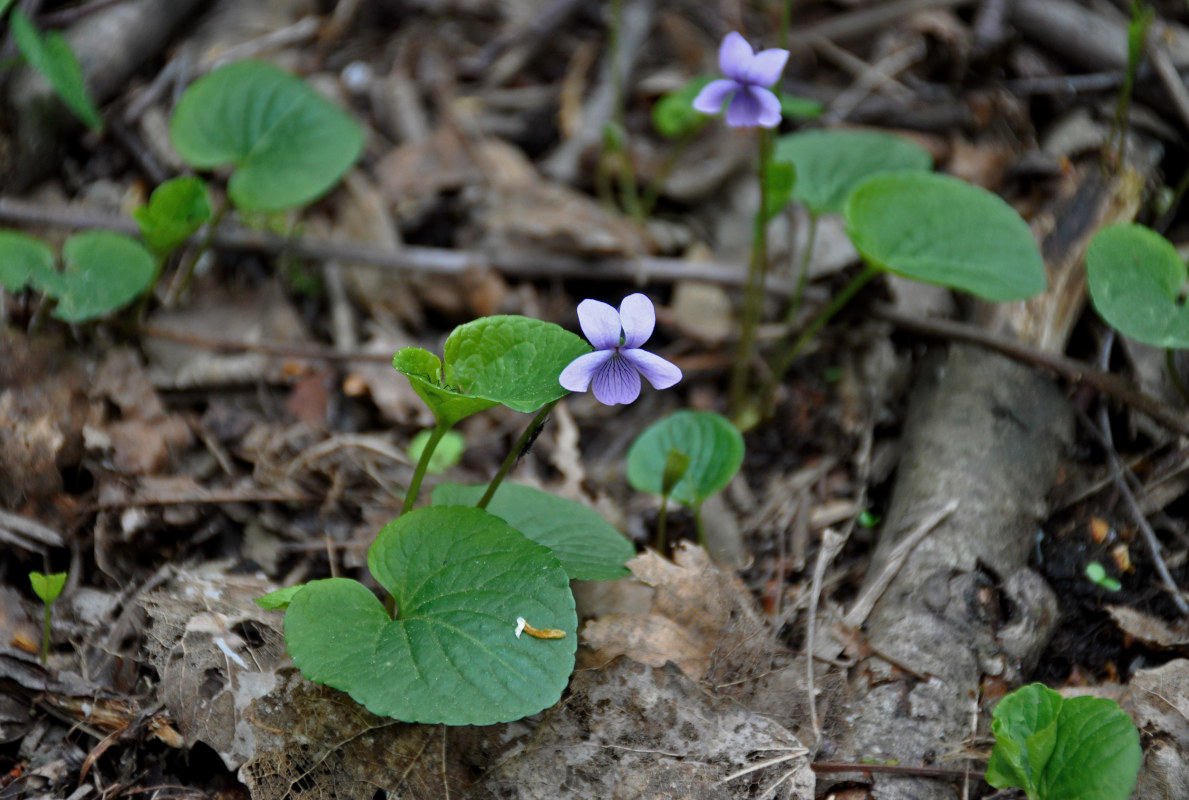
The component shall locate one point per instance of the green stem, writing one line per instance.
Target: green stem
(785, 360)
(518, 449)
(1170, 362)
(661, 519)
(753, 298)
(786, 17)
(186, 270)
(700, 525)
(803, 275)
(422, 465)
(45, 637)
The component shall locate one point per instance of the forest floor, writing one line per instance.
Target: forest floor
(247, 432)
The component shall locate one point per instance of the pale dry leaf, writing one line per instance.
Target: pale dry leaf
(1148, 629)
(702, 618)
(217, 652)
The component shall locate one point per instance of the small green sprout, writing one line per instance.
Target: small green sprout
(712, 445)
(48, 588)
(1097, 574)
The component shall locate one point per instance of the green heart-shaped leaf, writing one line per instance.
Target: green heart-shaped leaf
(503, 360)
(175, 210)
(713, 445)
(779, 179)
(54, 59)
(1083, 748)
(461, 578)
(1135, 277)
(23, 260)
(588, 547)
(288, 143)
(104, 271)
(47, 587)
(674, 116)
(942, 230)
(831, 163)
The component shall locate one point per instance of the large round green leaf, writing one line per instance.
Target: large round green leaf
(288, 143)
(1081, 748)
(23, 259)
(713, 445)
(1135, 277)
(831, 163)
(502, 360)
(942, 230)
(461, 579)
(588, 547)
(104, 271)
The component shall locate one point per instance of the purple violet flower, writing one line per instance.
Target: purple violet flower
(613, 370)
(748, 74)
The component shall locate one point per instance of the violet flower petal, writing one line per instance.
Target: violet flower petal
(713, 95)
(600, 323)
(745, 109)
(576, 377)
(769, 116)
(766, 67)
(660, 373)
(734, 57)
(638, 318)
(616, 381)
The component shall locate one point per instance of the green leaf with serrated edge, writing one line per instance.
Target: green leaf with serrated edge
(54, 59)
(1019, 717)
(460, 577)
(1135, 277)
(831, 163)
(1097, 754)
(794, 107)
(424, 371)
(673, 115)
(23, 260)
(942, 230)
(513, 360)
(175, 210)
(104, 271)
(588, 547)
(779, 179)
(503, 360)
(280, 599)
(445, 455)
(288, 143)
(714, 447)
(47, 587)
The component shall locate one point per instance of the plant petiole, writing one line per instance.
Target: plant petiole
(520, 448)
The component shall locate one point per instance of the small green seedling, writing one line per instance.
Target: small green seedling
(479, 624)
(102, 272)
(676, 465)
(52, 57)
(713, 446)
(868, 518)
(48, 588)
(288, 144)
(176, 209)
(1136, 281)
(1081, 748)
(1097, 575)
(448, 453)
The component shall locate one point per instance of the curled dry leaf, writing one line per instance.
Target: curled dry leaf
(702, 619)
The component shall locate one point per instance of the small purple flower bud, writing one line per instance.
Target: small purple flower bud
(748, 76)
(613, 370)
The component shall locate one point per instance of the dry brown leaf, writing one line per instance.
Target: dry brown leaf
(1158, 700)
(1148, 629)
(217, 652)
(702, 618)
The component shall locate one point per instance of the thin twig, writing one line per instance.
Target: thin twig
(831, 546)
(310, 352)
(1076, 372)
(417, 260)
